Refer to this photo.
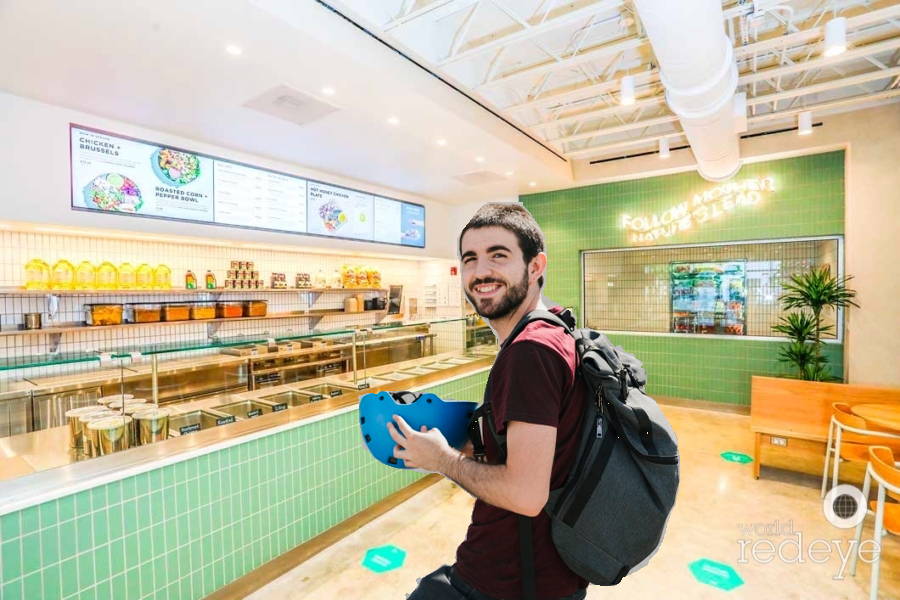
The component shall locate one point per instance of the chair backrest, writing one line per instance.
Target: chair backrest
(843, 415)
(882, 460)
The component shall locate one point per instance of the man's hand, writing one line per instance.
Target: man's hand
(427, 450)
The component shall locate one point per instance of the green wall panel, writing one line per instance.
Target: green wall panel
(808, 201)
(187, 529)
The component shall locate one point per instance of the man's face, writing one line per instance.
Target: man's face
(494, 273)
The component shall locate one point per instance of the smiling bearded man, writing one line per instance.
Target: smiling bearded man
(536, 399)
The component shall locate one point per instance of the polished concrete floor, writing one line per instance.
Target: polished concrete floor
(715, 498)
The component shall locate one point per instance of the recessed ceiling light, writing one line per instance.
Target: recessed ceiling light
(509, 173)
(394, 121)
(328, 91)
(532, 183)
(232, 49)
(442, 142)
(479, 158)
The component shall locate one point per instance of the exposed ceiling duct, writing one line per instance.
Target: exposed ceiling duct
(700, 76)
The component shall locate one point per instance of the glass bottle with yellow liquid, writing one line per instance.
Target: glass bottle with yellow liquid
(85, 276)
(127, 277)
(62, 276)
(162, 278)
(37, 275)
(107, 277)
(144, 277)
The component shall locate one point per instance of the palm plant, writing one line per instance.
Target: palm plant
(812, 293)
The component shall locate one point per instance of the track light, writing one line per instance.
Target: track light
(626, 94)
(804, 123)
(835, 36)
(664, 147)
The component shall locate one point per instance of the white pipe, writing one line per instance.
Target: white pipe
(699, 74)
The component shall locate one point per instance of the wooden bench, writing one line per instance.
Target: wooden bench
(800, 411)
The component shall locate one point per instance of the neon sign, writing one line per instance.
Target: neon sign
(711, 204)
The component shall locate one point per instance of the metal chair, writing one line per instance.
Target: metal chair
(855, 444)
(882, 469)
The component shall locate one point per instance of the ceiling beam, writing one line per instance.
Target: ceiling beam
(524, 34)
(614, 130)
(600, 113)
(814, 33)
(824, 87)
(820, 63)
(571, 61)
(583, 93)
(602, 150)
(416, 14)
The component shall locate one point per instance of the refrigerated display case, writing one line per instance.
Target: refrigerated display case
(709, 297)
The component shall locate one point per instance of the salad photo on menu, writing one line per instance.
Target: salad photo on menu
(339, 212)
(175, 167)
(113, 192)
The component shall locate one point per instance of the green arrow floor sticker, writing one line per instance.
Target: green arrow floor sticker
(384, 558)
(715, 574)
(736, 457)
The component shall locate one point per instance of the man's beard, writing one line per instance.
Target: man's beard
(511, 300)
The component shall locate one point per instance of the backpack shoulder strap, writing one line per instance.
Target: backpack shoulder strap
(484, 410)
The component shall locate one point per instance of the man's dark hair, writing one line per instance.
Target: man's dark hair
(514, 218)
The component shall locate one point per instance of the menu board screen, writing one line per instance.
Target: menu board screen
(117, 174)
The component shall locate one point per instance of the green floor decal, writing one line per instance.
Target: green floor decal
(736, 457)
(715, 574)
(384, 558)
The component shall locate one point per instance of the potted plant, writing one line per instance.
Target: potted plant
(811, 294)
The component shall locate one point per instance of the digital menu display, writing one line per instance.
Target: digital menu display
(117, 174)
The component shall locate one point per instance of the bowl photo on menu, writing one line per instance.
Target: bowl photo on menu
(113, 192)
(175, 167)
(332, 215)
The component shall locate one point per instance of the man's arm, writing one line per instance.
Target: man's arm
(522, 485)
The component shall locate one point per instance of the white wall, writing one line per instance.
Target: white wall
(872, 221)
(34, 166)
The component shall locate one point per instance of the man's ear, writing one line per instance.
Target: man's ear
(536, 267)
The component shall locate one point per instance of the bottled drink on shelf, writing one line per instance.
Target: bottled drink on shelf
(37, 275)
(127, 277)
(190, 281)
(210, 280)
(144, 277)
(162, 278)
(62, 277)
(107, 277)
(85, 276)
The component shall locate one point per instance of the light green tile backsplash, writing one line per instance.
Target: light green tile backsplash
(808, 201)
(187, 529)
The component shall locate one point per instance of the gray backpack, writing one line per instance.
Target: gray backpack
(609, 518)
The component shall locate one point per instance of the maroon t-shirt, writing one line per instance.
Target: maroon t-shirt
(533, 380)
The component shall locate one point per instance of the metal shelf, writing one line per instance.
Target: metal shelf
(18, 291)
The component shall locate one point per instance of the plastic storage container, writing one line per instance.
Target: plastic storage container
(255, 308)
(176, 312)
(127, 277)
(107, 276)
(229, 310)
(203, 310)
(85, 276)
(103, 314)
(143, 313)
(144, 277)
(37, 275)
(62, 277)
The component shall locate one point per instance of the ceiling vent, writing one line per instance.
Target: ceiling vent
(292, 105)
(479, 178)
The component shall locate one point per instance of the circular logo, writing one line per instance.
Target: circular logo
(844, 506)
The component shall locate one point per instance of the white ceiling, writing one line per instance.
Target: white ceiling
(553, 66)
(549, 67)
(163, 65)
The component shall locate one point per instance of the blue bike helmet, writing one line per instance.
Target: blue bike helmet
(377, 410)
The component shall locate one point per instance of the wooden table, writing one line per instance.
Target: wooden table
(883, 415)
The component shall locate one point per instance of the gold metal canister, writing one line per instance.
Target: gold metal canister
(152, 425)
(73, 417)
(89, 442)
(131, 410)
(105, 400)
(113, 434)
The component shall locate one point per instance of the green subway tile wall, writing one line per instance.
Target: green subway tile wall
(808, 201)
(185, 530)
